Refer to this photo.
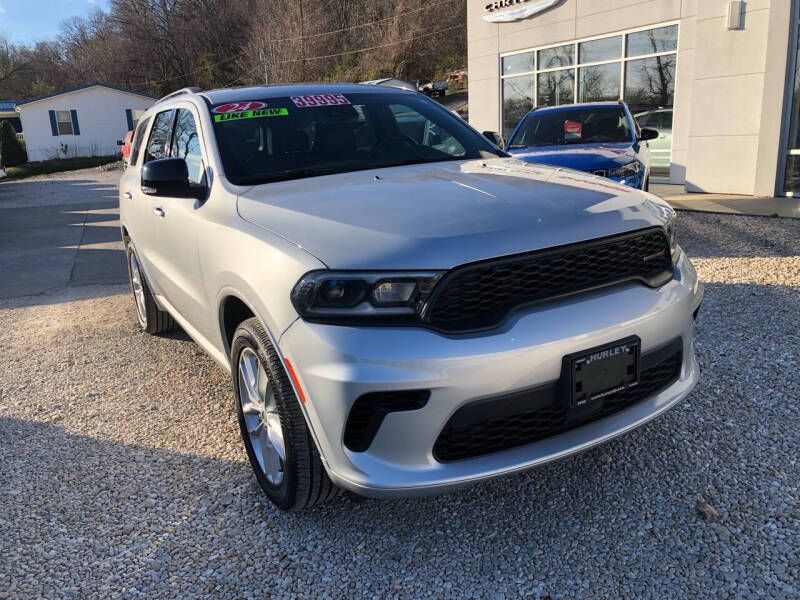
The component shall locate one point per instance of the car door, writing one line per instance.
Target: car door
(133, 217)
(143, 230)
(176, 221)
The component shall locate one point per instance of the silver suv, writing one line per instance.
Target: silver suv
(404, 309)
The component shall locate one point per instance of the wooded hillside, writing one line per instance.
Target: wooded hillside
(157, 46)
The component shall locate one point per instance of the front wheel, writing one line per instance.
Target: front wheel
(278, 444)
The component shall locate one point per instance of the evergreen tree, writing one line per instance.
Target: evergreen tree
(11, 151)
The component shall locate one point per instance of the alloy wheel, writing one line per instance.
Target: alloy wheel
(260, 410)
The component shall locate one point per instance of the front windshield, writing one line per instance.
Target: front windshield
(572, 126)
(277, 139)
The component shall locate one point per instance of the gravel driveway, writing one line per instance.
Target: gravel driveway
(122, 473)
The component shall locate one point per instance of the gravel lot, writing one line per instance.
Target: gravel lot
(122, 473)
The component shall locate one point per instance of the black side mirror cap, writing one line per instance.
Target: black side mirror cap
(649, 134)
(495, 138)
(168, 177)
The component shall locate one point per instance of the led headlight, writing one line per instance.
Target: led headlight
(343, 295)
(628, 170)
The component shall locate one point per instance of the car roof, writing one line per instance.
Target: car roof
(577, 105)
(278, 91)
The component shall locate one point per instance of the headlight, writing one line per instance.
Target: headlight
(671, 229)
(629, 170)
(337, 296)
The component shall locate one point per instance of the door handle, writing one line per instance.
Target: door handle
(159, 212)
(129, 196)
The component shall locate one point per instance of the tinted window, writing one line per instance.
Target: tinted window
(158, 144)
(425, 132)
(599, 83)
(576, 126)
(517, 101)
(137, 141)
(603, 49)
(518, 63)
(662, 39)
(556, 87)
(305, 136)
(186, 145)
(550, 58)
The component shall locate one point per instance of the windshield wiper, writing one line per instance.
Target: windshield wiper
(286, 175)
(415, 161)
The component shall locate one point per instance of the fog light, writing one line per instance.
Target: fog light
(394, 292)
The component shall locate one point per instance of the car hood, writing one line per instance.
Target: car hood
(584, 157)
(436, 216)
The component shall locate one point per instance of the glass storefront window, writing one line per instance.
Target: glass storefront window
(598, 83)
(661, 39)
(650, 82)
(603, 49)
(518, 63)
(644, 77)
(517, 101)
(551, 58)
(791, 182)
(555, 87)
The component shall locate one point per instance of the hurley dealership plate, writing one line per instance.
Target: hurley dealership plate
(604, 370)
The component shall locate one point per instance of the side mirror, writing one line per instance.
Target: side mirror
(495, 138)
(168, 177)
(649, 134)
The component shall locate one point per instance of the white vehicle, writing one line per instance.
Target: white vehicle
(661, 147)
(404, 308)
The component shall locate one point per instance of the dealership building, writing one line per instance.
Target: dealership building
(718, 79)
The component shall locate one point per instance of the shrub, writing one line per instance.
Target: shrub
(11, 151)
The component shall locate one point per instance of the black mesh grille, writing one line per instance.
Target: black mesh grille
(480, 295)
(368, 411)
(499, 424)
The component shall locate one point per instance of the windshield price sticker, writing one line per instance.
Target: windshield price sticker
(319, 100)
(252, 114)
(573, 128)
(233, 107)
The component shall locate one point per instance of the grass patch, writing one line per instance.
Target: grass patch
(56, 165)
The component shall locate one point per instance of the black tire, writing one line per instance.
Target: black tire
(151, 319)
(305, 482)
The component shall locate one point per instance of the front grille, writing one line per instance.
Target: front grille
(481, 295)
(368, 411)
(506, 422)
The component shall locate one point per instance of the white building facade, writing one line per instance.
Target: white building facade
(83, 121)
(717, 78)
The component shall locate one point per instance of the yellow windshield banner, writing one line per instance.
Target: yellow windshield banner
(252, 114)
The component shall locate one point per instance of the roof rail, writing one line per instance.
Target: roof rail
(186, 90)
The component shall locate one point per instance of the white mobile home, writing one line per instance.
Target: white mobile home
(82, 121)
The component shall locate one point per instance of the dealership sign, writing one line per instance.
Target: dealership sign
(523, 10)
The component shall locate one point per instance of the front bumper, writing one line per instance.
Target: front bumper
(336, 365)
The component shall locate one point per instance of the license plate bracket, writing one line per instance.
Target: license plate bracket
(603, 370)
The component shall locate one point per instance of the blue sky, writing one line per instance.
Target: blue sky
(28, 21)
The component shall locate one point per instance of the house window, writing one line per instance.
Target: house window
(64, 122)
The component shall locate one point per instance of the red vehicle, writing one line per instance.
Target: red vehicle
(126, 145)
